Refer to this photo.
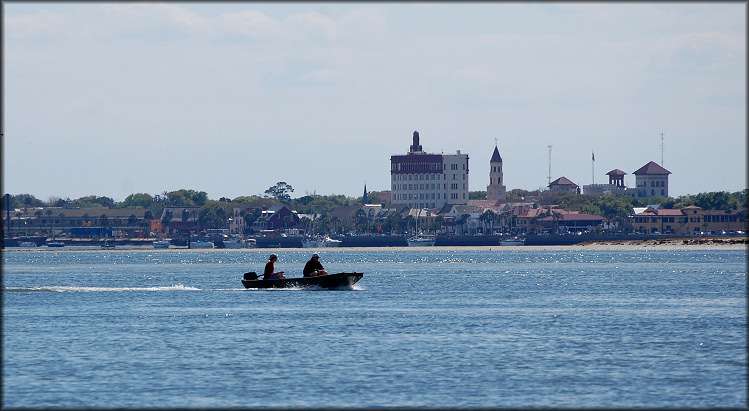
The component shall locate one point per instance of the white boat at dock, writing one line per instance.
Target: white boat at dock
(236, 242)
(320, 242)
(421, 241)
(512, 241)
(200, 243)
(161, 244)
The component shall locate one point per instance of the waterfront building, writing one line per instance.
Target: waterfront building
(423, 180)
(686, 220)
(59, 221)
(652, 180)
(496, 190)
(563, 221)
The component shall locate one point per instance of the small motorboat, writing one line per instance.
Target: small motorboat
(161, 244)
(340, 280)
(55, 244)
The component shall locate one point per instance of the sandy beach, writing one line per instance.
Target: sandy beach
(706, 243)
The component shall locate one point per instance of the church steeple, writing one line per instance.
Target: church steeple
(496, 158)
(496, 189)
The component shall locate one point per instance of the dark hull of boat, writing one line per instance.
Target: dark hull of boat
(325, 281)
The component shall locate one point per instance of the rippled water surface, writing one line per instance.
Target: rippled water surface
(430, 327)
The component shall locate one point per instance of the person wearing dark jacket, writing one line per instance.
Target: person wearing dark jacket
(313, 268)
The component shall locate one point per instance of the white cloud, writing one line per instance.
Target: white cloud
(245, 80)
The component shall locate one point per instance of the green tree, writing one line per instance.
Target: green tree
(187, 198)
(461, 221)
(281, 192)
(487, 218)
(477, 195)
(139, 200)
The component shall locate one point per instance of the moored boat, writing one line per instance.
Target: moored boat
(340, 280)
(161, 244)
(319, 242)
(55, 244)
(421, 241)
(236, 242)
(512, 241)
(201, 243)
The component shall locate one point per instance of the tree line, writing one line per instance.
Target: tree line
(214, 213)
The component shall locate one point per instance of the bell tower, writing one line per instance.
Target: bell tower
(496, 190)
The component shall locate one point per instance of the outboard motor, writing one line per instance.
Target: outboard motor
(251, 276)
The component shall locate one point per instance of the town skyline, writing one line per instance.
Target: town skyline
(114, 99)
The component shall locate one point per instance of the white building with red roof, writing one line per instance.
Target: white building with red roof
(652, 180)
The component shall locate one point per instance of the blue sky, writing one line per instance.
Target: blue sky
(119, 98)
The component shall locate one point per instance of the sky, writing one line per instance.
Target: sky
(112, 98)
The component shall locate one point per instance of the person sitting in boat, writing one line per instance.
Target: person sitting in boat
(270, 273)
(314, 268)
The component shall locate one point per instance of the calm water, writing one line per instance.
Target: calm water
(424, 328)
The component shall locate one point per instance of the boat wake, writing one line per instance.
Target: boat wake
(76, 289)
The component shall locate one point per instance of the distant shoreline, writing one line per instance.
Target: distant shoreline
(709, 243)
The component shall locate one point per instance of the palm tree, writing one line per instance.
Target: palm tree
(335, 221)
(38, 214)
(487, 217)
(18, 218)
(61, 215)
(166, 220)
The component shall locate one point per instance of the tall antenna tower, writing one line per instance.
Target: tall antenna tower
(661, 148)
(549, 163)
